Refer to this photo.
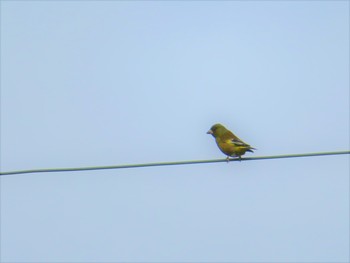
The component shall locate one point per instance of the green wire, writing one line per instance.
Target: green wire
(170, 163)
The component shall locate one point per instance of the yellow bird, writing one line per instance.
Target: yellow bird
(229, 143)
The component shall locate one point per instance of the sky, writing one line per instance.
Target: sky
(93, 83)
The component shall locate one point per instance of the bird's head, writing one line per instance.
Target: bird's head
(216, 130)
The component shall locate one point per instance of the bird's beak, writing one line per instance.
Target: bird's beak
(210, 132)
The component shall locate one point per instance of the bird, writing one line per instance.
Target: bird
(229, 143)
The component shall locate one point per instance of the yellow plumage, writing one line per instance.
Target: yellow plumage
(229, 143)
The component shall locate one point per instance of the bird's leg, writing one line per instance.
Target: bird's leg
(240, 158)
(228, 159)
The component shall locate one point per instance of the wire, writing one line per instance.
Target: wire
(170, 163)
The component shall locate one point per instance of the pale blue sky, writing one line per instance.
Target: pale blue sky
(87, 83)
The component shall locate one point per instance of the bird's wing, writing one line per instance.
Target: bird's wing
(231, 138)
(238, 142)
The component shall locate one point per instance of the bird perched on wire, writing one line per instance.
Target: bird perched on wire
(229, 143)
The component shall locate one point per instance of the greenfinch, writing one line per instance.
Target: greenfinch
(229, 143)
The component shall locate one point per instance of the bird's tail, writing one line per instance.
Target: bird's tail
(250, 149)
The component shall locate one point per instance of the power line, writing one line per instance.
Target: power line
(170, 163)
